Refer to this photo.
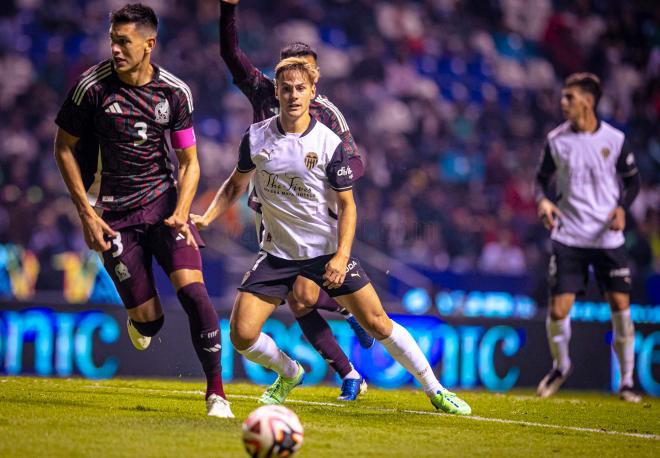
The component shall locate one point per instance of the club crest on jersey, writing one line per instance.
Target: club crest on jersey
(605, 152)
(162, 112)
(311, 159)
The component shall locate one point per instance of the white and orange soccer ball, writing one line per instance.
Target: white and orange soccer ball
(272, 431)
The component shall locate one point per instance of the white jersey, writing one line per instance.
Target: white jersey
(296, 181)
(587, 166)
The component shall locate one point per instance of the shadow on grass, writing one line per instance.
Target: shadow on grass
(140, 408)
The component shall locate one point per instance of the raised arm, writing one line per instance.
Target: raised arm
(238, 63)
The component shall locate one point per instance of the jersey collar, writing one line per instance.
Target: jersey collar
(312, 123)
(156, 75)
(575, 131)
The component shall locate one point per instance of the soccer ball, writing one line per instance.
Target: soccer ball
(272, 431)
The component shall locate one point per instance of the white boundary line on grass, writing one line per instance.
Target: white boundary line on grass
(540, 425)
(415, 412)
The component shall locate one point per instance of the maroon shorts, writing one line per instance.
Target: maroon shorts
(142, 235)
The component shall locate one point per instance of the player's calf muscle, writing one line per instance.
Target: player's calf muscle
(147, 311)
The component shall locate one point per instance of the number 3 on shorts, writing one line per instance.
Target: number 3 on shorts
(119, 247)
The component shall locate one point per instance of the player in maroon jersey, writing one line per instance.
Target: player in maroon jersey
(306, 296)
(134, 209)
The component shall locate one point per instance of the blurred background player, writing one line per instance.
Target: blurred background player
(134, 209)
(275, 155)
(589, 157)
(306, 296)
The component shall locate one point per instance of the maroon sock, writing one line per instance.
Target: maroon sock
(318, 333)
(205, 333)
(325, 302)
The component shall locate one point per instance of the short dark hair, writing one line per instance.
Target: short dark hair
(135, 13)
(587, 82)
(297, 49)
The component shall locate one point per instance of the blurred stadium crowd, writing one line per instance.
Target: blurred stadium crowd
(448, 100)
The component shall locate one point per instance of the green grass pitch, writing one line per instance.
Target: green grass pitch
(158, 418)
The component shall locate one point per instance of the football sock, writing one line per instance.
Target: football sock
(353, 374)
(559, 335)
(319, 334)
(403, 348)
(265, 352)
(325, 302)
(205, 333)
(623, 341)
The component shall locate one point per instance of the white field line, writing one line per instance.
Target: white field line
(414, 412)
(540, 425)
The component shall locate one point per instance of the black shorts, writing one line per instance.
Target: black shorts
(569, 269)
(274, 277)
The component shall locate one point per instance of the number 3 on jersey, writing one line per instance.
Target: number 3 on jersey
(141, 132)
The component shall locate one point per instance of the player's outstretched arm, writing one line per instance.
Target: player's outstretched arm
(236, 60)
(230, 191)
(94, 228)
(335, 269)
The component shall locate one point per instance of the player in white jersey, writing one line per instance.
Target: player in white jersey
(590, 160)
(304, 182)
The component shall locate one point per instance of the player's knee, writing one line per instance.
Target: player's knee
(242, 335)
(378, 325)
(297, 308)
(149, 328)
(193, 295)
(304, 295)
(618, 301)
(560, 307)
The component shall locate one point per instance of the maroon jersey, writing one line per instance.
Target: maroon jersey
(260, 90)
(123, 134)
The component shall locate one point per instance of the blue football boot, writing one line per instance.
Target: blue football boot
(351, 388)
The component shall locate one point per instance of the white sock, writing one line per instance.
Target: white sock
(403, 348)
(265, 352)
(353, 374)
(623, 341)
(559, 335)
